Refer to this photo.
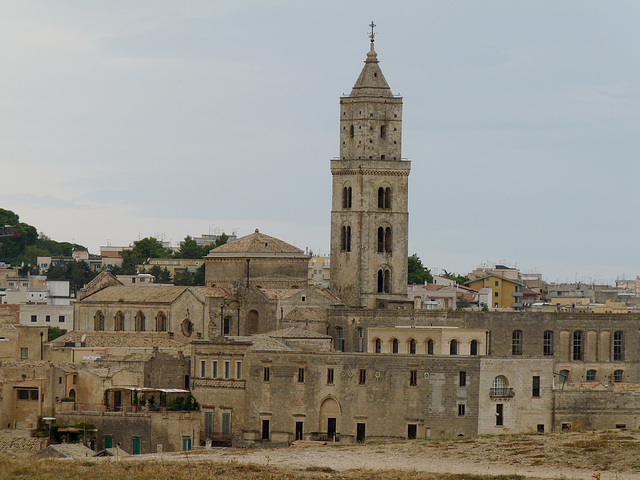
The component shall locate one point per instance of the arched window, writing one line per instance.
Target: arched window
(339, 339)
(547, 343)
(378, 345)
(346, 239)
(161, 322)
(618, 351)
(98, 321)
(346, 197)
(453, 347)
(380, 281)
(430, 347)
(387, 239)
(394, 346)
(252, 323)
(119, 322)
(500, 387)
(516, 342)
(387, 197)
(412, 346)
(564, 376)
(577, 345)
(360, 335)
(380, 239)
(387, 281)
(473, 349)
(140, 326)
(381, 197)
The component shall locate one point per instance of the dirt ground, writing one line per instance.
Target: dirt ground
(595, 455)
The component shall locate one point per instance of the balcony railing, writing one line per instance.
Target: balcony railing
(324, 437)
(501, 392)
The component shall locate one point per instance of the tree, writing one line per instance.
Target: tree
(160, 275)
(189, 248)
(418, 273)
(77, 273)
(459, 279)
(55, 332)
(142, 250)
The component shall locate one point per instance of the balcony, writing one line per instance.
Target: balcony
(517, 294)
(501, 392)
(517, 305)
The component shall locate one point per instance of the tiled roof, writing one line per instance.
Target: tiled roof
(205, 292)
(306, 314)
(294, 332)
(121, 339)
(279, 293)
(135, 294)
(256, 243)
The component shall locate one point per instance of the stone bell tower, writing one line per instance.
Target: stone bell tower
(369, 213)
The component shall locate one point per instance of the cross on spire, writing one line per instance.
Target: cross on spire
(373, 35)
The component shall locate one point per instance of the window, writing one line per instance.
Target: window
(462, 379)
(499, 415)
(352, 131)
(300, 374)
(412, 431)
(214, 369)
(516, 342)
(339, 339)
(461, 409)
(384, 281)
(430, 347)
(238, 370)
(227, 369)
(497, 283)
(24, 352)
(267, 374)
(140, 323)
(618, 376)
(161, 322)
(577, 345)
(564, 376)
(208, 423)
(47, 318)
(346, 239)
(394, 345)
(119, 322)
(413, 378)
(98, 321)
(203, 368)
(617, 346)
(329, 376)
(495, 294)
(473, 348)
(362, 380)
(383, 131)
(384, 240)
(412, 346)
(28, 394)
(378, 346)
(226, 327)
(535, 386)
(34, 318)
(591, 375)
(547, 343)
(61, 319)
(360, 334)
(346, 197)
(500, 387)
(453, 347)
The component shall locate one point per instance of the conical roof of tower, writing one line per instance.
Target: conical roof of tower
(371, 81)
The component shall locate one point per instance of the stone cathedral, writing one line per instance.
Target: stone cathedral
(369, 214)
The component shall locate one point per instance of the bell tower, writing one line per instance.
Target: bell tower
(369, 213)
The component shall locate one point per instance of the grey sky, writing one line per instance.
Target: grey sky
(120, 120)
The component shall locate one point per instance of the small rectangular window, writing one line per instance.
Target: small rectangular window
(214, 369)
(330, 376)
(34, 318)
(461, 409)
(301, 375)
(413, 378)
(203, 368)
(47, 318)
(24, 352)
(363, 376)
(535, 386)
(61, 319)
(267, 374)
(499, 414)
(238, 370)
(227, 369)
(463, 379)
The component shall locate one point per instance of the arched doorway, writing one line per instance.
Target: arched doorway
(252, 322)
(329, 417)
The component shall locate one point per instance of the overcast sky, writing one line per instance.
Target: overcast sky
(121, 120)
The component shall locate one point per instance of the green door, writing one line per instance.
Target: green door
(135, 450)
(108, 442)
(186, 443)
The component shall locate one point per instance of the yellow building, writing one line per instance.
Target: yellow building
(505, 292)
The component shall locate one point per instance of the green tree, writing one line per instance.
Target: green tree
(142, 250)
(55, 332)
(189, 248)
(77, 273)
(221, 240)
(418, 273)
(459, 279)
(160, 275)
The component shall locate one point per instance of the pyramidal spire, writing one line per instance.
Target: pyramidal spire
(371, 82)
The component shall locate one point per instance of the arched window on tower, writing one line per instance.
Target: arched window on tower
(387, 281)
(345, 241)
(346, 197)
(387, 239)
(380, 281)
(380, 240)
(387, 197)
(348, 239)
(381, 197)
(383, 131)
